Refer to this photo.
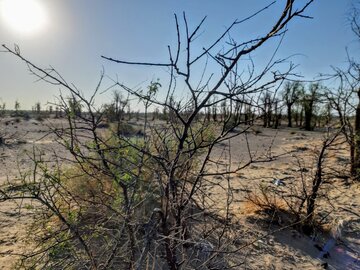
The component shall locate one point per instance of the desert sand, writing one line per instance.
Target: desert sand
(273, 246)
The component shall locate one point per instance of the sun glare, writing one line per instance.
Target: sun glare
(23, 16)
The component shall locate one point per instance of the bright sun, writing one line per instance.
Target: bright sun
(23, 16)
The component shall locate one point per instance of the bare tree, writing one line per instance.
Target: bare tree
(291, 94)
(115, 111)
(302, 197)
(267, 109)
(354, 19)
(318, 178)
(17, 107)
(345, 99)
(309, 102)
(50, 110)
(354, 75)
(2, 109)
(149, 205)
(37, 108)
(73, 109)
(277, 114)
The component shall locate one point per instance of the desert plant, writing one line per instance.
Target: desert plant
(300, 198)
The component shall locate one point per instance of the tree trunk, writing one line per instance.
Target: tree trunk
(289, 115)
(308, 108)
(356, 166)
(352, 159)
(265, 118)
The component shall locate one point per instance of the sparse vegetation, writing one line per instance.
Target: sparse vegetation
(152, 180)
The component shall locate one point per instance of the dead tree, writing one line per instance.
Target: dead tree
(277, 114)
(318, 180)
(291, 95)
(354, 75)
(267, 109)
(345, 99)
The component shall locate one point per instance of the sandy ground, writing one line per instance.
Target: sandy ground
(292, 154)
(15, 159)
(290, 151)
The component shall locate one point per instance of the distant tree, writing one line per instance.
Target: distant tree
(277, 114)
(171, 109)
(115, 111)
(37, 108)
(120, 104)
(58, 112)
(74, 107)
(267, 107)
(214, 112)
(50, 109)
(2, 109)
(17, 107)
(128, 111)
(249, 115)
(291, 94)
(207, 114)
(156, 114)
(223, 110)
(324, 115)
(298, 112)
(236, 114)
(309, 102)
(328, 114)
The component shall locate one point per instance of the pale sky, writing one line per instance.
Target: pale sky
(72, 35)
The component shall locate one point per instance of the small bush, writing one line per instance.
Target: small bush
(26, 116)
(266, 199)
